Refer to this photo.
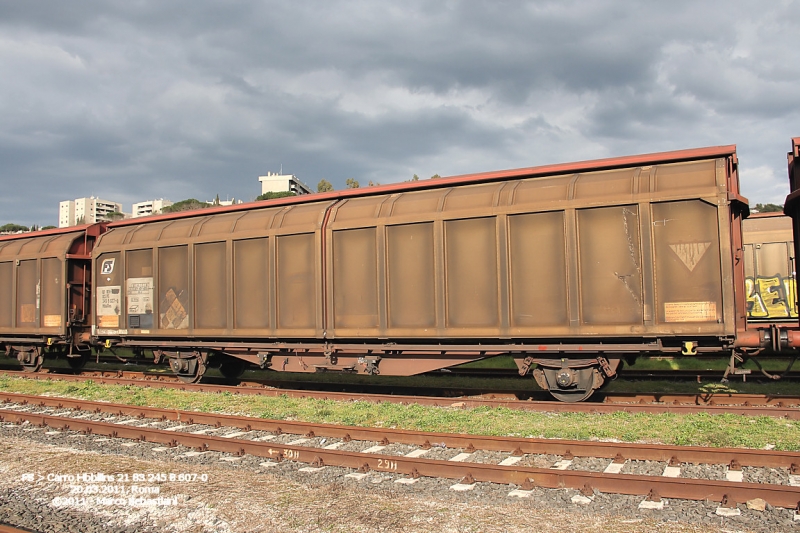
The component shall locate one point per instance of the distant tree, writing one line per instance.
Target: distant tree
(435, 177)
(216, 200)
(49, 227)
(273, 195)
(34, 228)
(352, 184)
(324, 186)
(415, 178)
(768, 208)
(372, 183)
(13, 228)
(81, 220)
(185, 205)
(115, 215)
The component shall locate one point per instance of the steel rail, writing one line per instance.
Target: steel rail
(710, 403)
(682, 488)
(516, 445)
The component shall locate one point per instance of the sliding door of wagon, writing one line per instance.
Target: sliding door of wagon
(687, 266)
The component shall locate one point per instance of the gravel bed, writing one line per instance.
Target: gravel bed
(29, 505)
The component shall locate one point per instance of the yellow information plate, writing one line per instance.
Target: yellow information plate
(52, 321)
(690, 311)
(108, 321)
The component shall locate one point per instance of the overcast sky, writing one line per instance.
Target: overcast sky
(135, 100)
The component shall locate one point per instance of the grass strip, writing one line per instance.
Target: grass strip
(693, 429)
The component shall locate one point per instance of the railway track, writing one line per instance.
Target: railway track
(614, 468)
(715, 403)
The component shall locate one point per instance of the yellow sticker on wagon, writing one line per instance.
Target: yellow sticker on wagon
(690, 311)
(52, 321)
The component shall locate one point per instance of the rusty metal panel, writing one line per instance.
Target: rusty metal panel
(139, 235)
(6, 293)
(27, 287)
(108, 299)
(538, 270)
(296, 288)
(218, 225)
(119, 235)
(53, 287)
(687, 256)
(539, 191)
(359, 209)
(472, 197)
(302, 217)
(210, 286)
(257, 220)
(686, 178)
(471, 270)
(139, 304)
(251, 284)
(417, 202)
(617, 184)
(180, 229)
(610, 263)
(411, 276)
(355, 279)
(173, 287)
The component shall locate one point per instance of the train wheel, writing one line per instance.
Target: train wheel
(189, 367)
(30, 357)
(232, 367)
(76, 363)
(572, 384)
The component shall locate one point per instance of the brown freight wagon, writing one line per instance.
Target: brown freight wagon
(769, 268)
(45, 294)
(567, 267)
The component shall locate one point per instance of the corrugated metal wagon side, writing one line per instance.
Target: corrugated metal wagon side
(567, 267)
(190, 286)
(45, 286)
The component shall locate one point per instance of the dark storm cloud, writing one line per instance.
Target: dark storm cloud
(137, 100)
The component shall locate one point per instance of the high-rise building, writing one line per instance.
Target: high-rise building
(149, 207)
(282, 183)
(86, 211)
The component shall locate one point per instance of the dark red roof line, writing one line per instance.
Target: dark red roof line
(547, 170)
(45, 233)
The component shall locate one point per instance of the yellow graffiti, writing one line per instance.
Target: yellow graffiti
(771, 297)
